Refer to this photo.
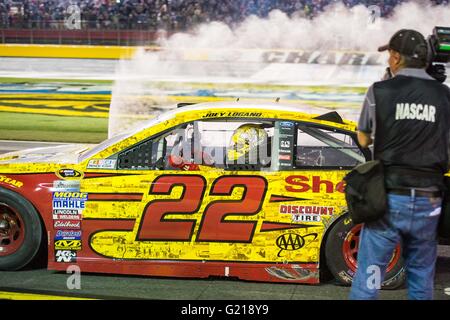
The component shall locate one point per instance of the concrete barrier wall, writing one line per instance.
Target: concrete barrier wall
(66, 51)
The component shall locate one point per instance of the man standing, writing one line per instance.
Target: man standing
(407, 118)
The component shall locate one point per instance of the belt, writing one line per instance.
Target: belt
(415, 192)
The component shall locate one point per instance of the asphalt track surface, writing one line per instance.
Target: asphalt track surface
(42, 281)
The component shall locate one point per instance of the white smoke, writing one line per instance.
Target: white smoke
(215, 51)
(339, 27)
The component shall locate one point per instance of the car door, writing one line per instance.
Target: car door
(321, 156)
(151, 206)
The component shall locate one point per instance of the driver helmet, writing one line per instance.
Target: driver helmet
(245, 138)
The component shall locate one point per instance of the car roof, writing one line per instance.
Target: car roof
(308, 110)
(305, 112)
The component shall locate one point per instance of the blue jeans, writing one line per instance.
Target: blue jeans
(411, 221)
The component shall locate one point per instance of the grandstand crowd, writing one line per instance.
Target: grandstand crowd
(170, 15)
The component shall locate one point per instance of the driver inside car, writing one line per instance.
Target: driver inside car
(247, 146)
(188, 156)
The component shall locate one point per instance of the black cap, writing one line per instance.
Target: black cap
(407, 42)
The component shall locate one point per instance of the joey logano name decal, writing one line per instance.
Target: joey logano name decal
(232, 114)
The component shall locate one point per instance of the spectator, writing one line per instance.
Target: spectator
(168, 15)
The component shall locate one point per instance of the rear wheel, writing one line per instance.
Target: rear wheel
(20, 231)
(341, 252)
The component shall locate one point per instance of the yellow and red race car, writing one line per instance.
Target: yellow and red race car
(251, 191)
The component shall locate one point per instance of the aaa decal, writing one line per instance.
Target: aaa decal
(292, 241)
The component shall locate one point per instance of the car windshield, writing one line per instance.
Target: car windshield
(113, 140)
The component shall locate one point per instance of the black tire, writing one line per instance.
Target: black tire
(32, 226)
(339, 263)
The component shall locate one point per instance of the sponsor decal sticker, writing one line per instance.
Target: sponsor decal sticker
(294, 209)
(286, 157)
(68, 245)
(66, 185)
(65, 256)
(69, 200)
(12, 182)
(102, 164)
(315, 184)
(286, 124)
(232, 114)
(68, 235)
(292, 241)
(67, 224)
(306, 218)
(63, 216)
(285, 144)
(68, 174)
(306, 213)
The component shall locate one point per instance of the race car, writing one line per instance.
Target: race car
(241, 190)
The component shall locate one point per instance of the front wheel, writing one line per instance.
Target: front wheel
(341, 252)
(20, 231)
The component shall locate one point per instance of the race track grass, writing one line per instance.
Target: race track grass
(36, 127)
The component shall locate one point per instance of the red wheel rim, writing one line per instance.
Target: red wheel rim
(351, 245)
(12, 230)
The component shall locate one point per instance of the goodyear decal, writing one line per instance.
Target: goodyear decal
(12, 182)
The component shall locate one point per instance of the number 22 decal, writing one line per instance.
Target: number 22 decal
(213, 226)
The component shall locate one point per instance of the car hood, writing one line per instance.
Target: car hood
(63, 154)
